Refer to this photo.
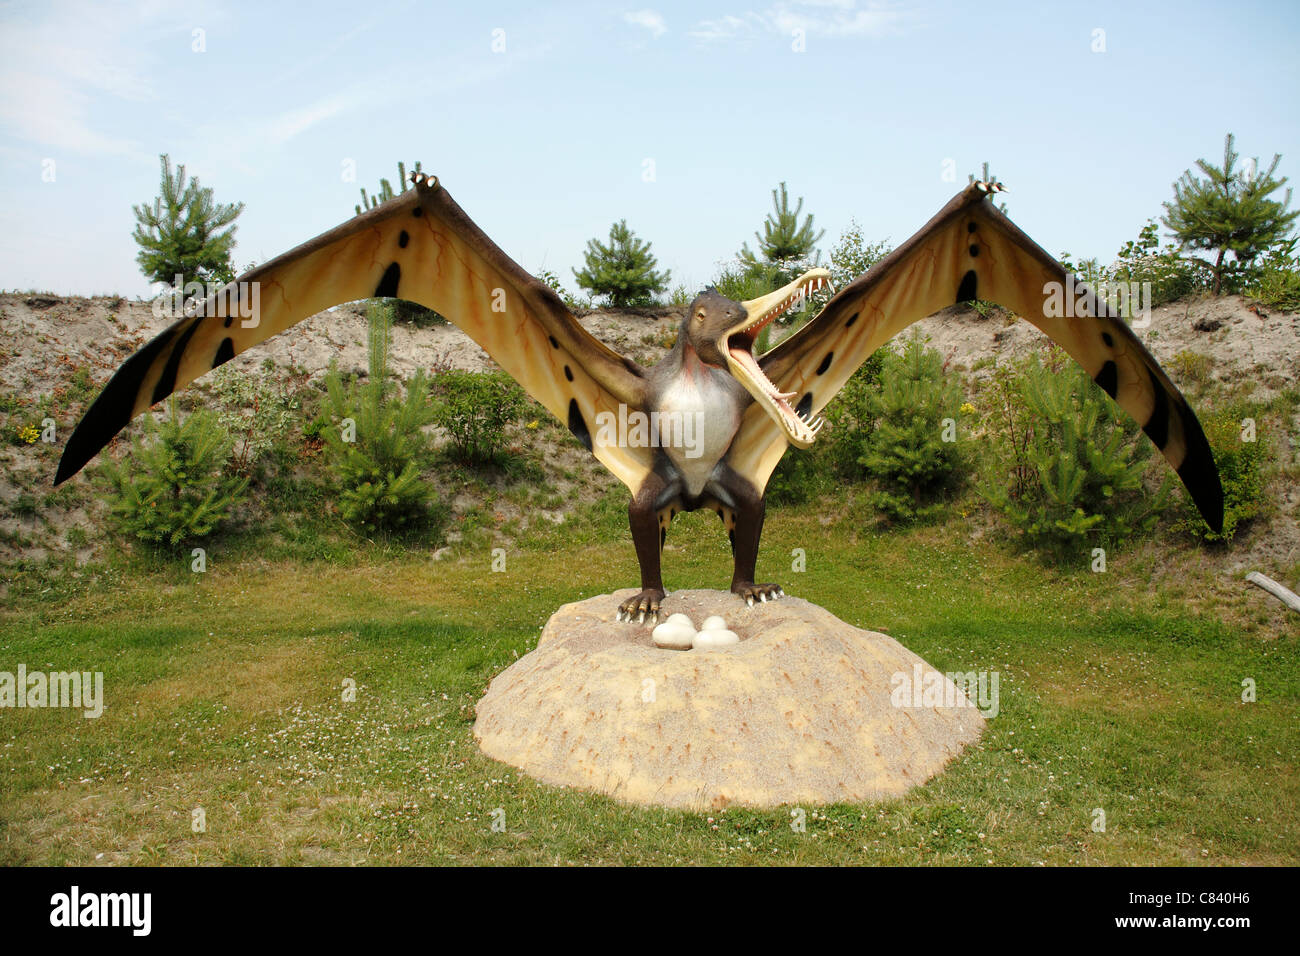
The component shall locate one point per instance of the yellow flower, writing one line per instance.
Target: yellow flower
(29, 434)
(967, 408)
(532, 424)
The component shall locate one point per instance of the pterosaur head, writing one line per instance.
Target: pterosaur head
(724, 331)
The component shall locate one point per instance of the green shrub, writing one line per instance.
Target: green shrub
(800, 476)
(377, 448)
(1242, 464)
(1171, 275)
(174, 486)
(1276, 280)
(744, 282)
(1067, 468)
(571, 302)
(902, 435)
(474, 408)
(257, 411)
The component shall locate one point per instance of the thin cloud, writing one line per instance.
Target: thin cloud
(832, 19)
(651, 20)
(60, 61)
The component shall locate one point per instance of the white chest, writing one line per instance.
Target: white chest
(697, 419)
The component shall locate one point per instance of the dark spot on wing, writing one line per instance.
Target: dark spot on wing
(970, 227)
(852, 318)
(225, 352)
(403, 238)
(229, 318)
(387, 288)
(568, 373)
(1157, 426)
(826, 363)
(805, 405)
(417, 212)
(1106, 337)
(1108, 378)
(167, 381)
(578, 425)
(111, 411)
(966, 291)
(974, 250)
(554, 344)
(1200, 475)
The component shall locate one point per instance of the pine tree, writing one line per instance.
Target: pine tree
(1068, 471)
(175, 486)
(185, 232)
(624, 269)
(1229, 211)
(911, 448)
(377, 444)
(785, 245)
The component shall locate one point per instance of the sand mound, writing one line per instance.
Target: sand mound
(799, 712)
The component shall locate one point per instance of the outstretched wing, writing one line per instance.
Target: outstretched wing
(971, 250)
(419, 246)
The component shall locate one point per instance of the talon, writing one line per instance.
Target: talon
(762, 596)
(640, 618)
(749, 600)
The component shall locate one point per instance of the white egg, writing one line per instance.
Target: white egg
(680, 619)
(714, 638)
(713, 623)
(673, 635)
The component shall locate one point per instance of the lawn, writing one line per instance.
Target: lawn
(225, 692)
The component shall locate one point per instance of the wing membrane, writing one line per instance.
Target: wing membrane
(971, 250)
(419, 246)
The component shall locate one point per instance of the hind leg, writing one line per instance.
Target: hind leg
(744, 524)
(649, 532)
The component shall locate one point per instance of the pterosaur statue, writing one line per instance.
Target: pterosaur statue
(739, 410)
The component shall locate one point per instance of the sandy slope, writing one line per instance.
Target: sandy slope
(48, 338)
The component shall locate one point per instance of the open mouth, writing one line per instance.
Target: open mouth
(800, 429)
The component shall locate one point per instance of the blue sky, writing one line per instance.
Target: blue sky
(546, 142)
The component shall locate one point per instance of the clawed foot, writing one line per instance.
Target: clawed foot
(751, 593)
(641, 609)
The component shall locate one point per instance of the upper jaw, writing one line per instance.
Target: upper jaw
(738, 342)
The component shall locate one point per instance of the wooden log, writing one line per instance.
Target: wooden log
(1287, 597)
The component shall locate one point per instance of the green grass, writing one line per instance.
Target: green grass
(224, 692)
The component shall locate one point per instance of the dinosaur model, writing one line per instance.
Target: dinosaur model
(719, 417)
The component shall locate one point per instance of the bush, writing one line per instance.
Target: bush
(1242, 465)
(174, 486)
(413, 314)
(741, 282)
(474, 408)
(1171, 275)
(1067, 470)
(257, 412)
(902, 435)
(1276, 280)
(800, 476)
(378, 446)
